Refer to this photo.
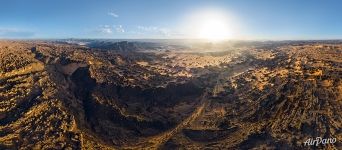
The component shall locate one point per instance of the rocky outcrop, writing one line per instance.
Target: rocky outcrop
(60, 96)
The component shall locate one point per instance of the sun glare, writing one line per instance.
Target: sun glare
(211, 25)
(214, 29)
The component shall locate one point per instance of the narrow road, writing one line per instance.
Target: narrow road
(158, 140)
(161, 139)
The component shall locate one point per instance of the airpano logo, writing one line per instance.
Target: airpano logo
(319, 140)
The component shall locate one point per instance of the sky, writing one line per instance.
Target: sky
(169, 19)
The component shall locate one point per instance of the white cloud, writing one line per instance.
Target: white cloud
(110, 29)
(113, 14)
(105, 29)
(155, 30)
(119, 29)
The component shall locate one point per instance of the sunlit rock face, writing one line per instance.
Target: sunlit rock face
(151, 95)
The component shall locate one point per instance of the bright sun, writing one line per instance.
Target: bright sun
(214, 29)
(211, 24)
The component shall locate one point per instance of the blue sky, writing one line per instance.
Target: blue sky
(257, 19)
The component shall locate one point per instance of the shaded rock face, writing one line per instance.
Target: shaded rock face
(164, 97)
(84, 85)
(207, 135)
(263, 141)
(129, 128)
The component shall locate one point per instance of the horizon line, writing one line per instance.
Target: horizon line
(194, 39)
